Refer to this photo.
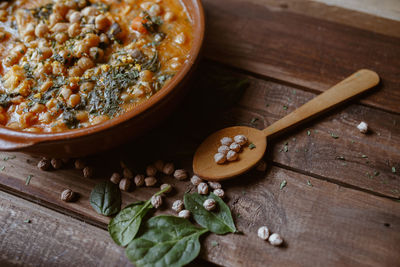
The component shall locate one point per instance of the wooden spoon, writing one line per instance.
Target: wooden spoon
(203, 161)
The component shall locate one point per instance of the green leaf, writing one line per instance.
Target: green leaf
(166, 241)
(105, 198)
(219, 221)
(124, 227)
(283, 184)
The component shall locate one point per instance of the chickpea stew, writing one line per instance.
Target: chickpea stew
(70, 64)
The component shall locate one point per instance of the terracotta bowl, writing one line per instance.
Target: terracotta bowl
(103, 136)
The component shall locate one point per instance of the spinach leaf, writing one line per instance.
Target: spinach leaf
(166, 241)
(124, 227)
(105, 198)
(219, 221)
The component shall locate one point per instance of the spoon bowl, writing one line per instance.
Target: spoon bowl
(205, 166)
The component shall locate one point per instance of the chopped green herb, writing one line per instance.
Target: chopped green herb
(334, 136)
(309, 183)
(9, 157)
(340, 158)
(283, 184)
(214, 243)
(2, 168)
(393, 169)
(285, 148)
(252, 146)
(376, 173)
(352, 141)
(308, 133)
(254, 120)
(27, 221)
(28, 179)
(364, 156)
(285, 107)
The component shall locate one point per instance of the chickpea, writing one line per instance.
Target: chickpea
(65, 92)
(3, 15)
(45, 53)
(65, 54)
(81, 3)
(41, 30)
(169, 16)
(61, 37)
(60, 27)
(89, 11)
(85, 63)
(58, 68)
(74, 100)
(29, 29)
(54, 19)
(80, 49)
(75, 71)
(82, 116)
(104, 39)
(74, 29)
(146, 76)
(102, 22)
(75, 17)
(27, 119)
(61, 9)
(45, 117)
(46, 85)
(96, 53)
(92, 40)
(86, 87)
(71, 4)
(37, 108)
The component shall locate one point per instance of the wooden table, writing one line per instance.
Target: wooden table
(341, 202)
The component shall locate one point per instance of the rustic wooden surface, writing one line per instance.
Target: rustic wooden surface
(288, 52)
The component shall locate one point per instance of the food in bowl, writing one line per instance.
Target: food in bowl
(75, 63)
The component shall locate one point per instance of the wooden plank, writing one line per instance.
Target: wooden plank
(301, 50)
(336, 14)
(51, 238)
(322, 224)
(383, 8)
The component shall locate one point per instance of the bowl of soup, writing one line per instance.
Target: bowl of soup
(80, 76)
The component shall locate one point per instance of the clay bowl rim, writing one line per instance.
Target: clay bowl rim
(28, 138)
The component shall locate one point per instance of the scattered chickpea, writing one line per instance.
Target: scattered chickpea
(88, 172)
(215, 185)
(164, 186)
(177, 205)
(56, 163)
(74, 29)
(115, 178)
(60, 27)
(180, 174)
(219, 192)
(150, 181)
(196, 180)
(127, 173)
(79, 164)
(209, 204)
(139, 180)
(263, 232)
(275, 239)
(74, 100)
(124, 184)
(41, 30)
(235, 147)
(159, 164)
(363, 127)
(156, 201)
(168, 168)
(240, 139)
(202, 189)
(75, 17)
(261, 166)
(232, 155)
(85, 63)
(44, 164)
(68, 195)
(184, 214)
(102, 22)
(151, 170)
(219, 158)
(223, 149)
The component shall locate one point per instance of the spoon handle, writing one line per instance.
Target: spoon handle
(353, 85)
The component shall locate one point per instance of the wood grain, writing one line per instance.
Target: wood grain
(296, 49)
